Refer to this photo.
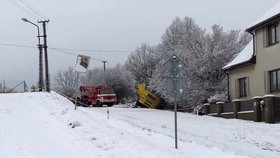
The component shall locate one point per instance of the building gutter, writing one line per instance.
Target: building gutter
(249, 62)
(260, 24)
(228, 84)
(243, 64)
(254, 42)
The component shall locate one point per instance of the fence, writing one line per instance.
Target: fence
(11, 86)
(277, 109)
(213, 110)
(259, 109)
(227, 111)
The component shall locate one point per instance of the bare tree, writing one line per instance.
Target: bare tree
(65, 82)
(118, 78)
(141, 63)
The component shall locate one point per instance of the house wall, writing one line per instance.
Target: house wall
(267, 59)
(248, 71)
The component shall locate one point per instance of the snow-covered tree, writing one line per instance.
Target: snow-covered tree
(65, 82)
(141, 63)
(118, 78)
(185, 39)
(204, 55)
(94, 77)
(221, 48)
(122, 82)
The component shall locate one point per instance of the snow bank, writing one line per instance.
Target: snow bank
(39, 125)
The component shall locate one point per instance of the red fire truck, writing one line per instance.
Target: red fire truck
(97, 96)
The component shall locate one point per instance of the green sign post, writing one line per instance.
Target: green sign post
(174, 84)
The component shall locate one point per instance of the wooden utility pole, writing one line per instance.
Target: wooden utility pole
(46, 55)
(104, 65)
(4, 86)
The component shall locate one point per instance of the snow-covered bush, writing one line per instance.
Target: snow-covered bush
(217, 97)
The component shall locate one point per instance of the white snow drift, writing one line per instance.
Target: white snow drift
(42, 125)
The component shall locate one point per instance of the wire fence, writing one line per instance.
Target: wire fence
(13, 86)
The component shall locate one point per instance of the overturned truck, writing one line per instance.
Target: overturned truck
(147, 98)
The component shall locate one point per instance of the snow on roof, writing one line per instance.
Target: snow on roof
(244, 56)
(269, 14)
(247, 53)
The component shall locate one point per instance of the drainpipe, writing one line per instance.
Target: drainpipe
(228, 92)
(254, 42)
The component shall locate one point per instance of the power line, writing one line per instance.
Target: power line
(33, 9)
(74, 54)
(92, 50)
(55, 49)
(17, 45)
(66, 51)
(27, 8)
(70, 51)
(22, 8)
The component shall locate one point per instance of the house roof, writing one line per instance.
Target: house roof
(243, 57)
(273, 13)
(246, 55)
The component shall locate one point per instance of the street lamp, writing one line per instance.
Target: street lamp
(41, 84)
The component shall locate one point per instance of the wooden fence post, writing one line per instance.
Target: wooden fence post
(257, 108)
(268, 108)
(206, 108)
(220, 108)
(236, 107)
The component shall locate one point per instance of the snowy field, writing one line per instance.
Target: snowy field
(37, 125)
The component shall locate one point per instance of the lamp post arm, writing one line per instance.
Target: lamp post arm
(38, 31)
(25, 20)
(41, 82)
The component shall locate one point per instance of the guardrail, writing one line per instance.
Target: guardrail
(74, 101)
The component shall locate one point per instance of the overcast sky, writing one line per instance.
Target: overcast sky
(105, 25)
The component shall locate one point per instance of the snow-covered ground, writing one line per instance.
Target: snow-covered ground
(37, 125)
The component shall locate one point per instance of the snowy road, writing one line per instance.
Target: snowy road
(244, 137)
(36, 125)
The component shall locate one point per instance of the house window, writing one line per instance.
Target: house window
(243, 84)
(273, 34)
(274, 80)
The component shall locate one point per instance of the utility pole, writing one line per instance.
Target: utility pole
(104, 65)
(41, 82)
(4, 88)
(46, 55)
(25, 86)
